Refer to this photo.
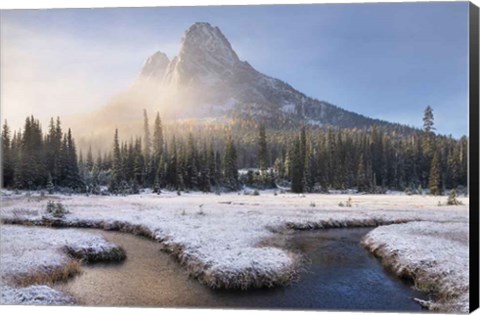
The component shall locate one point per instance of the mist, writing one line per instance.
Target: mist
(94, 89)
(49, 75)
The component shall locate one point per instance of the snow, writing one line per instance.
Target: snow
(435, 255)
(35, 294)
(218, 237)
(27, 251)
(314, 122)
(288, 108)
(154, 67)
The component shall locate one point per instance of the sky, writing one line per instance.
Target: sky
(386, 61)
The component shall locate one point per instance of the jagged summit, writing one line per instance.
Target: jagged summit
(205, 57)
(209, 41)
(155, 66)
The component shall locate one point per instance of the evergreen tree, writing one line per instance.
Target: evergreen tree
(435, 184)
(116, 176)
(428, 144)
(323, 162)
(303, 145)
(428, 120)
(279, 167)
(191, 164)
(310, 171)
(218, 168)
(463, 157)
(94, 187)
(7, 157)
(332, 159)
(17, 157)
(288, 162)
(50, 187)
(32, 169)
(57, 137)
(297, 169)
(230, 172)
(157, 138)
(361, 175)
(212, 169)
(70, 170)
(262, 149)
(204, 180)
(53, 145)
(138, 163)
(89, 162)
(172, 176)
(147, 143)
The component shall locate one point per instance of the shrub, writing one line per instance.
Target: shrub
(348, 203)
(56, 209)
(452, 199)
(312, 204)
(256, 193)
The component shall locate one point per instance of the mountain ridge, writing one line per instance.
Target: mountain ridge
(207, 79)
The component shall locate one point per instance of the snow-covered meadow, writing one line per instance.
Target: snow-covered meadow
(32, 255)
(434, 254)
(220, 239)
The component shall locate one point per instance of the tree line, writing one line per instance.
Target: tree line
(374, 160)
(307, 160)
(32, 160)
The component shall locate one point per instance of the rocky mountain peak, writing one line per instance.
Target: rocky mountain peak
(205, 56)
(204, 39)
(155, 66)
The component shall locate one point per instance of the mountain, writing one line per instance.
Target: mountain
(208, 79)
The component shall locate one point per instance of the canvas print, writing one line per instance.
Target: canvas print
(255, 157)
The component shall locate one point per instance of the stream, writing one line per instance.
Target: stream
(340, 275)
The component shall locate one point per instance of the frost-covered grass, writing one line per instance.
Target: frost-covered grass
(434, 255)
(35, 294)
(218, 238)
(31, 256)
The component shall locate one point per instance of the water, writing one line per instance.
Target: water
(341, 276)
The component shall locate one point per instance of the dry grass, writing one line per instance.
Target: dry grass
(84, 255)
(330, 224)
(445, 297)
(48, 277)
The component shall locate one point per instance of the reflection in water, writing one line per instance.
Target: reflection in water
(340, 275)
